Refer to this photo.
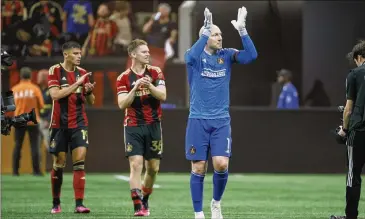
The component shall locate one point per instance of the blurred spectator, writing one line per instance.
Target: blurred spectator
(78, 19)
(288, 98)
(26, 97)
(161, 31)
(122, 20)
(12, 11)
(28, 37)
(49, 13)
(317, 97)
(100, 39)
(275, 93)
(45, 112)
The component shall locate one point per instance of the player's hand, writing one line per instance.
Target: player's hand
(141, 83)
(240, 23)
(81, 80)
(342, 133)
(208, 19)
(89, 87)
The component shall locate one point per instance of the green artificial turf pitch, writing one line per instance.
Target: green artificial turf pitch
(248, 196)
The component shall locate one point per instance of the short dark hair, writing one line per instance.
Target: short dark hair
(134, 44)
(70, 45)
(25, 73)
(357, 50)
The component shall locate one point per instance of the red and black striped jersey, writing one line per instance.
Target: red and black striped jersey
(68, 112)
(145, 109)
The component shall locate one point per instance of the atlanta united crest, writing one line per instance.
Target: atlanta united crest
(129, 147)
(53, 144)
(192, 150)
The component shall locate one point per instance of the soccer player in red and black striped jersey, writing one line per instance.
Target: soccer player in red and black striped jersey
(140, 92)
(70, 89)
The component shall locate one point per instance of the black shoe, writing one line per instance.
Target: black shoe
(15, 174)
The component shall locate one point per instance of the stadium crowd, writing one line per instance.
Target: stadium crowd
(103, 28)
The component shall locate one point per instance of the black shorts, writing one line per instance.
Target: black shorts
(356, 139)
(63, 139)
(144, 140)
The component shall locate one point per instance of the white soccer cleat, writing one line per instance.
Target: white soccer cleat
(215, 207)
(199, 215)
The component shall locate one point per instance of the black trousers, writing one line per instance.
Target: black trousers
(34, 137)
(356, 161)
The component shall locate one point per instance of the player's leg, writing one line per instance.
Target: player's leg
(356, 160)
(196, 150)
(19, 134)
(59, 163)
(136, 167)
(134, 149)
(34, 137)
(152, 168)
(58, 149)
(79, 145)
(153, 155)
(220, 142)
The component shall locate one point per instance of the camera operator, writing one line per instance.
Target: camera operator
(27, 96)
(354, 129)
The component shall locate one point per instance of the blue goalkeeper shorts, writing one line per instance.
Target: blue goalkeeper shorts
(204, 136)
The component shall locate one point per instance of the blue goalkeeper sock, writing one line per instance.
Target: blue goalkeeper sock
(219, 184)
(196, 189)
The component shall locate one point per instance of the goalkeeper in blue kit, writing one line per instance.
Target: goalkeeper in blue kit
(208, 129)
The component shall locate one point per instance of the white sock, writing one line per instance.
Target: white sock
(199, 213)
(216, 202)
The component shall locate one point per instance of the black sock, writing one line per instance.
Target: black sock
(56, 201)
(136, 196)
(78, 202)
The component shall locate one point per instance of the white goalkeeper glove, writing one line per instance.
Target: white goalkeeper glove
(208, 22)
(240, 23)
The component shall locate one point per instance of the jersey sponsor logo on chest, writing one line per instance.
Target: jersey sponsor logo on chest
(210, 73)
(142, 92)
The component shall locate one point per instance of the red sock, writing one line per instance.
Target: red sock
(56, 180)
(136, 198)
(146, 191)
(79, 184)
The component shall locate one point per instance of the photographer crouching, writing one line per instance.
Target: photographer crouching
(353, 130)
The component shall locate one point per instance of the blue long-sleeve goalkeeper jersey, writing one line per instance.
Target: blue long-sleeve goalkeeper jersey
(209, 77)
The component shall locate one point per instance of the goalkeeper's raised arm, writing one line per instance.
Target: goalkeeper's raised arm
(196, 50)
(249, 53)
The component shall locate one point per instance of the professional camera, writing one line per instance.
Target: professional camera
(7, 104)
(340, 139)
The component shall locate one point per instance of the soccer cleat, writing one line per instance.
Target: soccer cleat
(145, 207)
(56, 209)
(199, 215)
(337, 217)
(215, 207)
(82, 209)
(141, 213)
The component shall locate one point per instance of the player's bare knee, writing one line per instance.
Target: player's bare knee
(136, 166)
(59, 161)
(220, 164)
(199, 167)
(153, 170)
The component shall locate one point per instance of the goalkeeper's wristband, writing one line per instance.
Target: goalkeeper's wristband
(206, 32)
(243, 32)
